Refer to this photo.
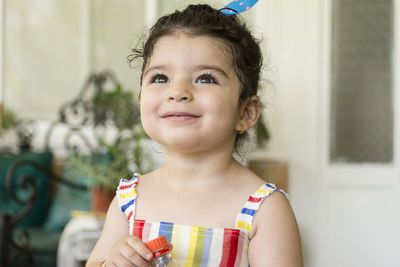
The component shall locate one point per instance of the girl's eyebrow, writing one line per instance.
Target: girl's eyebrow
(156, 67)
(199, 67)
(214, 68)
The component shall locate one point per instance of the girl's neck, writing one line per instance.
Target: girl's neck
(198, 168)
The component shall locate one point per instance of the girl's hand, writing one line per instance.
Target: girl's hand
(129, 251)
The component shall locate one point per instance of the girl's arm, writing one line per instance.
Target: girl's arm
(276, 239)
(115, 246)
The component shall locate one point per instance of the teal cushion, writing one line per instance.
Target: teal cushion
(38, 214)
(43, 246)
(42, 241)
(67, 199)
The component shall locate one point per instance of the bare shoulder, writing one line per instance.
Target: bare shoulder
(147, 179)
(275, 238)
(275, 207)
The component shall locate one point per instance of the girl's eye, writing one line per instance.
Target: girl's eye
(207, 78)
(159, 78)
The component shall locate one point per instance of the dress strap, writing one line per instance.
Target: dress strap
(244, 221)
(126, 195)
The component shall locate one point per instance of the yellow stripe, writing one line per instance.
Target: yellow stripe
(192, 246)
(245, 225)
(175, 238)
(132, 193)
(264, 191)
(198, 250)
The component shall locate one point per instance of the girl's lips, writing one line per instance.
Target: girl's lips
(178, 116)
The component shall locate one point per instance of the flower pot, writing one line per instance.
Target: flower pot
(101, 199)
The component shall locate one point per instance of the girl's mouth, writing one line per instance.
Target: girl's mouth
(179, 116)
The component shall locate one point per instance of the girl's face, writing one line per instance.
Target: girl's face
(190, 93)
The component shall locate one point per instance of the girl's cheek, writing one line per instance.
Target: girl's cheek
(144, 98)
(144, 113)
(147, 123)
(148, 108)
(148, 104)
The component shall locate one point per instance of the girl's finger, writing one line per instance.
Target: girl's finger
(129, 257)
(120, 261)
(134, 260)
(140, 248)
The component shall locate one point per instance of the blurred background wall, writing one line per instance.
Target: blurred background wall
(331, 106)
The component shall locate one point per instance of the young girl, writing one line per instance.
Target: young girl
(199, 85)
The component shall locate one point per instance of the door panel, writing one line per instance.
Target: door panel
(360, 168)
(362, 228)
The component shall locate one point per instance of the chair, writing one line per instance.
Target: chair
(30, 179)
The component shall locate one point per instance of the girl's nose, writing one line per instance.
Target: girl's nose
(180, 92)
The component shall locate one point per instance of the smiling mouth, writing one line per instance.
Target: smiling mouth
(179, 116)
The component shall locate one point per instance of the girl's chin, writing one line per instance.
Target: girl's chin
(180, 137)
(189, 141)
(181, 145)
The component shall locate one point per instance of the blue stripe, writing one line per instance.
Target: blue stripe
(270, 186)
(248, 211)
(130, 180)
(124, 207)
(166, 230)
(208, 235)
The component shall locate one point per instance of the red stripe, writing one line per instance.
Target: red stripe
(130, 215)
(255, 199)
(127, 186)
(138, 228)
(230, 246)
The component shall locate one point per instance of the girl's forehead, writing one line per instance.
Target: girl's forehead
(199, 49)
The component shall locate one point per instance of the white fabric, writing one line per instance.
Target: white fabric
(78, 240)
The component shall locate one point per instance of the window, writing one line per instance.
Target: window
(362, 82)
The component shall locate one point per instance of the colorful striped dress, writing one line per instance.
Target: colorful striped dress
(196, 245)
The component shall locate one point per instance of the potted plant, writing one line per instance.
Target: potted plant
(104, 168)
(23, 129)
(115, 109)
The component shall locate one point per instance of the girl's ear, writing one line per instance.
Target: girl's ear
(249, 114)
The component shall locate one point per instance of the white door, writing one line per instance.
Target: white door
(360, 162)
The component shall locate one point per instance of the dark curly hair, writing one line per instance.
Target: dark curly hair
(205, 20)
(202, 19)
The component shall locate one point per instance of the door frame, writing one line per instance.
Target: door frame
(353, 176)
